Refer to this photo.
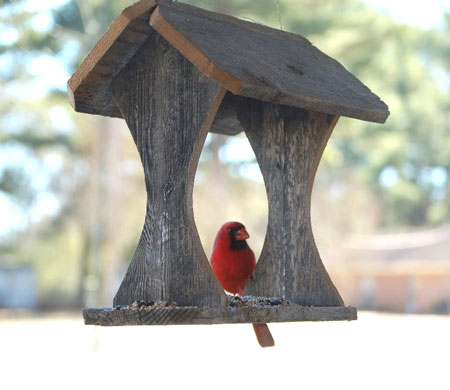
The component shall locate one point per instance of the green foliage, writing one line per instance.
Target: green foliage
(69, 16)
(14, 182)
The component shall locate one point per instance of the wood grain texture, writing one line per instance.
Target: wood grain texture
(169, 117)
(89, 87)
(245, 58)
(288, 143)
(183, 43)
(216, 315)
(264, 63)
(226, 121)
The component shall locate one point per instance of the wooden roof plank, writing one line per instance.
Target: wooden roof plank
(271, 65)
(89, 86)
(246, 58)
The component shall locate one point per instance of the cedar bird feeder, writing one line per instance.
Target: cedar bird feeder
(175, 72)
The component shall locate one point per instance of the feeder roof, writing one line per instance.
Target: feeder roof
(247, 59)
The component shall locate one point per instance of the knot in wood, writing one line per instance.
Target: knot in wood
(167, 189)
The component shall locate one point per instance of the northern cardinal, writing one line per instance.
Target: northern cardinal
(233, 262)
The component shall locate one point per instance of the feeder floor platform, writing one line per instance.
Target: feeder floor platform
(240, 310)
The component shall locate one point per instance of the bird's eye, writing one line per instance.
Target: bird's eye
(229, 230)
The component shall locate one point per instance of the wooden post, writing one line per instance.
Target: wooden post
(288, 143)
(169, 106)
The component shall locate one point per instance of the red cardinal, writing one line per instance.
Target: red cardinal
(233, 262)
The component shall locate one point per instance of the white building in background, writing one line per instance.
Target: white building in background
(402, 272)
(18, 288)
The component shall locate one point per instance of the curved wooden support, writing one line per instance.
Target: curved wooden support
(169, 106)
(288, 143)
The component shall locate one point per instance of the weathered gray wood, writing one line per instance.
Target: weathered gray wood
(216, 315)
(288, 143)
(264, 63)
(245, 58)
(226, 121)
(169, 106)
(89, 87)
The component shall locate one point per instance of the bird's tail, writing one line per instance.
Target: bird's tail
(263, 335)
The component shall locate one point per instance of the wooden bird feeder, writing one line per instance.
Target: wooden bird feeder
(175, 72)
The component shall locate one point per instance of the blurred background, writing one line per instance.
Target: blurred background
(72, 198)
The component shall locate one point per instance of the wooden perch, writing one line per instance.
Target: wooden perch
(240, 310)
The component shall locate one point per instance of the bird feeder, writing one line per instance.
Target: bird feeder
(175, 72)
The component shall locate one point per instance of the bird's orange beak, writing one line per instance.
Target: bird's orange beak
(241, 235)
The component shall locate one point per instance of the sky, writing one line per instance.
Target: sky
(425, 14)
